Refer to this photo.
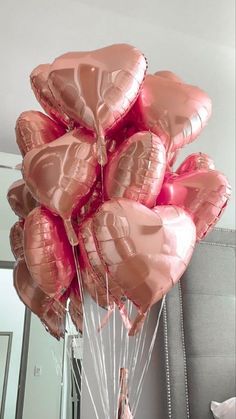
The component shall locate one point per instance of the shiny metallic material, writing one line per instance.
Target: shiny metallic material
(136, 169)
(50, 312)
(60, 174)
(76, 305)
(204, 194)
(144, 252)
(196, 161)
(16, 240)
(124, 411)
(34, 129)
(48, 253)
(176, 112)
(96, 88)
(20, 199)
(39, 84)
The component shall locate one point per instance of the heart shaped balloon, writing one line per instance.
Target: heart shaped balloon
(175, 111)
(96, 88)
(20, 199)
(33, 129)
(194, 162)
(144, 252)
(39, 84)
(51, 312)
(136, 169)
(60, 174)
(48, 253)
(16, 240)
(203, 194)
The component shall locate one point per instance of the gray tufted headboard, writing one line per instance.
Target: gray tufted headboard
(198, 334)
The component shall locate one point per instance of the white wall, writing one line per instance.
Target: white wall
(42, 393)
(11, 320)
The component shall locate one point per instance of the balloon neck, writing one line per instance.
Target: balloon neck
(101, 151)
(72, 236)
(137, 324)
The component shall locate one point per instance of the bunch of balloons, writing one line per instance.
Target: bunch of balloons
(99, 197)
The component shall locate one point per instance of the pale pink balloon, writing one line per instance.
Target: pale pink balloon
(204, 194)
(176, 112)
(34, 129)
(39, 84)
(97, 88)
(169, 75)
(60, 174)
(196, 161)
(48, 253)
(144, 252)
(136, 169)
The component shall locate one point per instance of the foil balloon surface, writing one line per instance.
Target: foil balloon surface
(60, 174)
(34, 129)
(144, 252)
(20, 199)
(204, 194)
(136, 169)
(16, 240)
(48, 253)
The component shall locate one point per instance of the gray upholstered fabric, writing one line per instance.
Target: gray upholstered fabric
(200, 321)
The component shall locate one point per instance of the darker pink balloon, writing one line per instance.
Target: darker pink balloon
(34, 129)
(176, 112)
(76, 305)
(48, 253)
(196, 161)
(136, 169)
(144, 252)
(204, 194)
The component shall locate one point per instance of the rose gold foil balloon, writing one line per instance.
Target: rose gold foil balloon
(16, 240)
(20, 199)
(196, 161)
(168, 75)
(136, 169)
(203, 194)
(48, 253)
(92, 204)
(76, 306)
(39, 84)
(51, 312)
(97, 88)
(176, 112)
(33, 129)
(144, 252)
(60, 174)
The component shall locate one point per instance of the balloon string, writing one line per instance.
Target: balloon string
(148, 359)
(85, 320)
(17, 167)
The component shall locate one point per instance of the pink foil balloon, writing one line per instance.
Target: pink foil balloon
(50, 312)
(176, 112)
(136, 169)
(144, 252)
(97, 88)
(92, 204)
(16, 240)
(20, 199)
(169, 75)
(33, 129)
(61, 174)
(48, 253)
(196, 161)
(39, 84)
(203, 194)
